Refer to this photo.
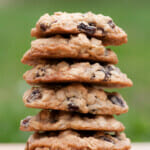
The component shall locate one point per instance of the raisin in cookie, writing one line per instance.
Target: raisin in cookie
(78, 140)
(76, 47)
(48, 120)
(91, 24)
(104, 75)
(75, 97)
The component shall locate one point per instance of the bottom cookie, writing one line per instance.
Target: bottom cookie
(77, 140)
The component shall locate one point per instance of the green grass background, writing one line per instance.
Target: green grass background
(16, 20)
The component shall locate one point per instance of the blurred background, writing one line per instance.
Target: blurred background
(16, 20)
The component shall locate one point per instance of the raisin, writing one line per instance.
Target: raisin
(111, 23)
(37, 75)
(107, 75)
(43, 27)
(107, 70)
(36, 94)
(25, 122)
(86, 28)
(73, 107)
(40, 72)
(93, 111)
(93, 76)
(96, 97)
(115, 100)
(105, 138)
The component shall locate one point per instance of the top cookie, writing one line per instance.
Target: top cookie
(93, 25)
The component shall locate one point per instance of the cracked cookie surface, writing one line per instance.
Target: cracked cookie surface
(76, 47)
(77, 140)
(76, 97)
(104, 75)
(49, 120)
(91, 24)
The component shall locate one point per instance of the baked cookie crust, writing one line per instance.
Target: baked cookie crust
(76, 98)
(93, 25)
(50, 120)
(78, 47)
(85, 72)
(77, 140)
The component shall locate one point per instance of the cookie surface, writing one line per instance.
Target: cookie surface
(77, 140)
(76, 47)
(108, 75)
(48, 120)
(93, 25)
(75, 97)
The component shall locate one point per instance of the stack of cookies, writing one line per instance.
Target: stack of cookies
(71, 67)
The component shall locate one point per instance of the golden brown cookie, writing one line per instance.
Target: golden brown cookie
(76, 97)
(50, 120)
(104, 75)
(91, 24)
(78, 140)
(76, 47)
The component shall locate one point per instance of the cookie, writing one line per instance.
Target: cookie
(108, 58)
(78, 140)
(104, 75)
(99, 26)
(48, 120)
(75, 97)
(76, 47)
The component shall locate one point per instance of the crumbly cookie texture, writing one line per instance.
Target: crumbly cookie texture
(91, 24)
(76, 97)
(108, 75)
(48, 120)
(109, 57)
(78, 140)
(76, 47)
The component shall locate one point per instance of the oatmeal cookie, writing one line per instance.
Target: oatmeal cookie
(77, 140)
(74, 47)
(104, 75)
(76, 97)
(93, 25)
(50, 120)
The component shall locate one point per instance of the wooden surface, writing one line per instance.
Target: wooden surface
(135, 146)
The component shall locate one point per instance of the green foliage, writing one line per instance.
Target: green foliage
(16, 20)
